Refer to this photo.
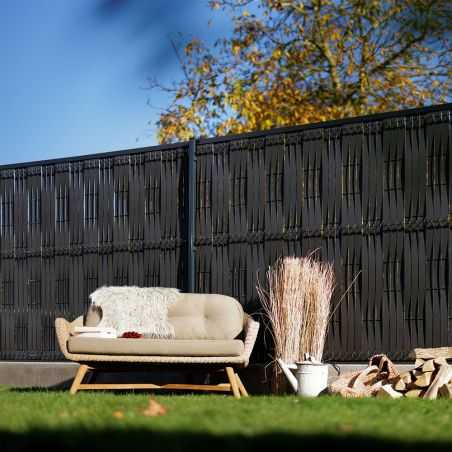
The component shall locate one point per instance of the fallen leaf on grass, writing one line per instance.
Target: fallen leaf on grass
(345, 428)
(154, 409)
(118, 414)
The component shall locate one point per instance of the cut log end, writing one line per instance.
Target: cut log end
(414, 393)
(406, 377)
(400, 385)
(424, 380)
(428, 366)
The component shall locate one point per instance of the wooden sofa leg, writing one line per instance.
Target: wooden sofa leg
(231, 376)
(78, 378)
(241, 386)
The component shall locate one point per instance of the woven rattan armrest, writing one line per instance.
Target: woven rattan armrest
(251, 328)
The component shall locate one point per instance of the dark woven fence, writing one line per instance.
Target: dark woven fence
(371, 194)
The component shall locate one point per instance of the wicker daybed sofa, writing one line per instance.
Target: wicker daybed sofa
(210, 330)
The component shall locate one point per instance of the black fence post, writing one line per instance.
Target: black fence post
(191, 211)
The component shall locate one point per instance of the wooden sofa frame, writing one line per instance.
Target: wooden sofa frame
(90, 364)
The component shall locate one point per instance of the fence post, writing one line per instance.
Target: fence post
(191, 211)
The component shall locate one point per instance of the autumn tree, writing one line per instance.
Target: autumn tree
(292, 62)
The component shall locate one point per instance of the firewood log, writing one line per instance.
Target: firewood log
(442, 377)
(416, 373)
(413, 393)
(424, 380)
(400, 385)
(367, 377)
(426, 353)
(419, 363)
(386, 391)
(439, 362)
(406, 377)
(445, 391)
(428, 366)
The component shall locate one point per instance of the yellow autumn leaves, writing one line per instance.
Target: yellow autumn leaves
(289, 62)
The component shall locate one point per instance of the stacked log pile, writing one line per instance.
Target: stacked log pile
(430, 378)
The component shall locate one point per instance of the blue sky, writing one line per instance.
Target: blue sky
(72, 77)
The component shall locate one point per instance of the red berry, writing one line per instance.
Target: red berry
(131, 335)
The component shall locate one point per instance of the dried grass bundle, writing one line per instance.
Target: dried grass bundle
(297, 304)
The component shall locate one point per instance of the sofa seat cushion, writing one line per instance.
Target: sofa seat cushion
(155, 347)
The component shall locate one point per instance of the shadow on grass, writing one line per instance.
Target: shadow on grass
(120, 392)
(38, 390)
(129, 440)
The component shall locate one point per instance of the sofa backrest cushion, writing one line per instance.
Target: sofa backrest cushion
(206, 316)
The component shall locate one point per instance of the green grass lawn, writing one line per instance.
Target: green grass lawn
(57, 421)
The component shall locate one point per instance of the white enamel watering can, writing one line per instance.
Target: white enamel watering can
(310, 379)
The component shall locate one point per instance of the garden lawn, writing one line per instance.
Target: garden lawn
(56, 421)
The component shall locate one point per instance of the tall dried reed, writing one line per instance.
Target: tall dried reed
(297, 304)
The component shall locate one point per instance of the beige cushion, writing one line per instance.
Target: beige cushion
(156, 347)
(206, 316)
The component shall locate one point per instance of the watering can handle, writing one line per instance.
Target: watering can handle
(288, 373)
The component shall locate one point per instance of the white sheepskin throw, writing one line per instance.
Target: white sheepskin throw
(140, 309)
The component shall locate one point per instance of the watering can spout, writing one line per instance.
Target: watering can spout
(288, 373)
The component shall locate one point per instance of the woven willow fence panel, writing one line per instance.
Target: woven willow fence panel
(371, 194)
